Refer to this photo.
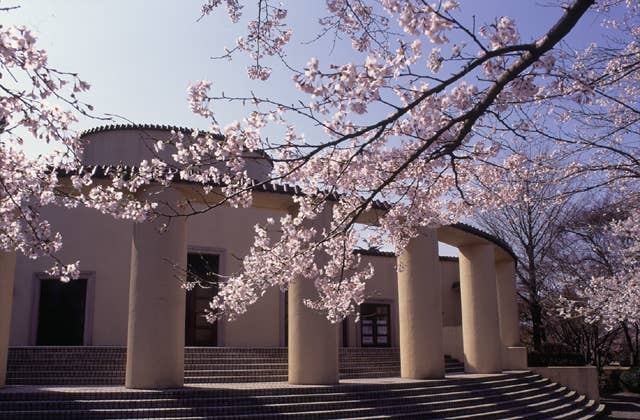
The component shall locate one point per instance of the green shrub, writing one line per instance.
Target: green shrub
(630, 380)
(535, 358)
(610, 379)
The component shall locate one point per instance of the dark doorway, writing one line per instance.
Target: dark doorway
(375, 320)
(61, 312)
(345, 333)
(204, 268)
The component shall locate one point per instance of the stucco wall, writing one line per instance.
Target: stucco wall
(452, 341)
(451, 309)
(103, 245)
(131, 146)
(230, 232)
(583, 379)
(383, 288)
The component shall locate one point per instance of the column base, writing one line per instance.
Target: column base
(436, 373)
(314, 381)
(155, 385)
(514, 358)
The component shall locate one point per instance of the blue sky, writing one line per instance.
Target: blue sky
(140, 56)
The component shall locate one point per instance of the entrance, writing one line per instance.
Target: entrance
(201, 267)
(61, 312)
(375, 325)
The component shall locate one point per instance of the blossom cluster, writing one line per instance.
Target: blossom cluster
(294, 253)
(418, 132)
(612, 296)
(431, 158)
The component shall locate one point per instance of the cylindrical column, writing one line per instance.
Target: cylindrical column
(7, 272)
(480, 330)
(313, 340)
(507, 303)
(155, 341)
(420, 309)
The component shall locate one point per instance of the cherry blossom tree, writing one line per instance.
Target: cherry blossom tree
(27, 183)
(44, 111)
(415, 127)
(597, 255)
(532, 225)
(431, 153)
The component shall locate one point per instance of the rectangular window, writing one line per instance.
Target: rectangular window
(375, 322)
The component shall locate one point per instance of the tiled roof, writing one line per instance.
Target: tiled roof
(295, 190)
(374, 252)
(485, 235)
(132, 126)
(461, 226)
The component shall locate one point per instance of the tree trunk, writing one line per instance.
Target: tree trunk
(536, 321)
(633, 350)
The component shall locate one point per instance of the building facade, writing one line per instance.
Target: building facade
(129, 292)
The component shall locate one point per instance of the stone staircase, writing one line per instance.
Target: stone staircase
(503, 396)
(106, 365)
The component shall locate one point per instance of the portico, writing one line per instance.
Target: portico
(490, 335)
(156, 304)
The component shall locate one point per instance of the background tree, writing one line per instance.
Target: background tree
(600, 284)
(531, 225)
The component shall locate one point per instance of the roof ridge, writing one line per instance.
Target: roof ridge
(486, 235)
(142, 126)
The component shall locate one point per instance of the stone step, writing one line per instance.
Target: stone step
(65, 381)
(441, 385)
(270, 404)
(557, 411)
(106, 365)
(234, 379)
(105, 360)
(120, 373)
(44, 358)
(65, 350)
(438, 385)
(116, 370)
(434, 385)
(117, 376)
(543, 404)
(121, 366)
(191, 364)
(205, 400)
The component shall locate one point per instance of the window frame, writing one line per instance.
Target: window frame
(87, 337)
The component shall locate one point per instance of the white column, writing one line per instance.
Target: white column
(155, 341)
(420, 309)
(480, 329)
(313, 340)
(507, 303)
(7, 273)
(514, 355)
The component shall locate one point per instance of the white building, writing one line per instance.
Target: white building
(129, 295)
